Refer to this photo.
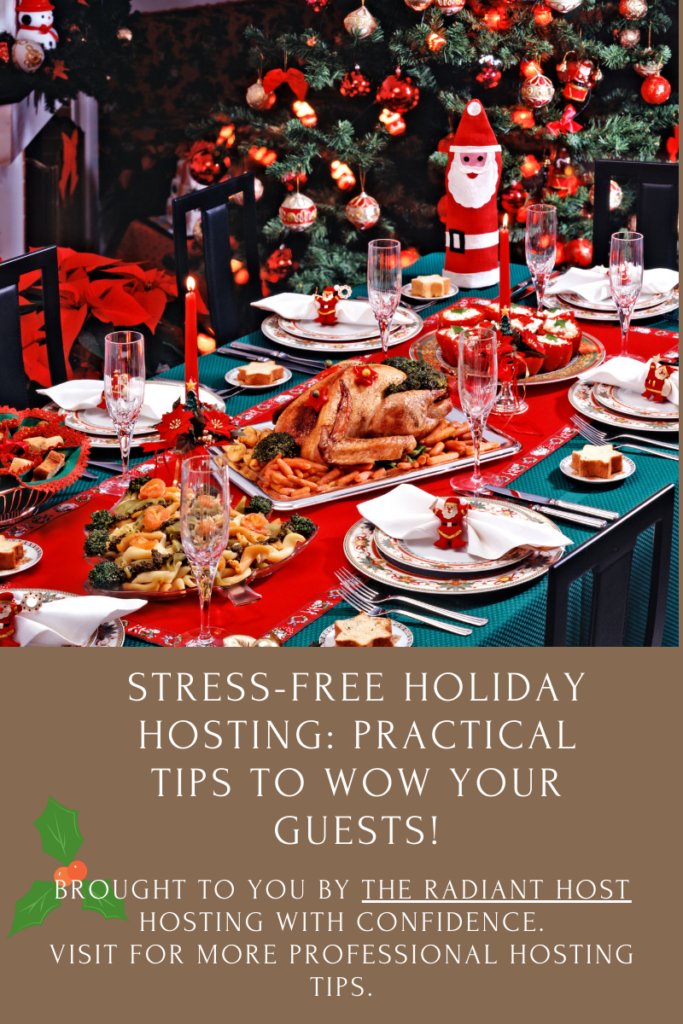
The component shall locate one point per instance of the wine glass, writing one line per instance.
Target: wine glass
(625, 277)
(477, 383)
(384, 283)
(541, 246)
(204, 530)
(124, 392)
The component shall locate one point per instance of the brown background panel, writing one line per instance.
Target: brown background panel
(70, 730)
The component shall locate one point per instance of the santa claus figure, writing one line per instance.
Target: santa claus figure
(657, 383)
(472, 178)
(452, 521)
(35, 23)
(326, 304)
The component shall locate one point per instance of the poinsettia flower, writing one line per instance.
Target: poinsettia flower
(364, 374)
(317, 398)
(84, 260)
(111, 303)
(175, 422)
(217, 422)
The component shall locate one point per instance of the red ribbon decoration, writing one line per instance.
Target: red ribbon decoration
(69, 171)
(566, 124)
(294, 78)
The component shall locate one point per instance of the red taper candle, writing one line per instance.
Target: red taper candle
(504, 267)
(191, 364)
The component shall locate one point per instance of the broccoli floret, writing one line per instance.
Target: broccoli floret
(275, 444)
(100, 520)
(399, 363)
(106, 576)
(138, 482)
(297, 524)
(259, 504)
(419, 377)
(96, 543)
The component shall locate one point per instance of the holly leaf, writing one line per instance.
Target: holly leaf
(33, 908)
(58, 827)
(110, 906)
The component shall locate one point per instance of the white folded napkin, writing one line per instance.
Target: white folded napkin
(406, 513)
(593, 285)
(69, 621)
(627, 373)
(294, 306)
(87, 394)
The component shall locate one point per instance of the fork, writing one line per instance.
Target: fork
(599, 437)
(349, 581)
(421, 306)
(376, 610)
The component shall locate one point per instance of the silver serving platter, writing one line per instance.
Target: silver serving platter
(510, 447)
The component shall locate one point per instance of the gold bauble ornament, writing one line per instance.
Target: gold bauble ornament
(360, 22)
(27, 56)
(363, 211)
(633, 10)
(538, 91)
(298, 212)
(258, 98)
(269, 640)
(239, 640)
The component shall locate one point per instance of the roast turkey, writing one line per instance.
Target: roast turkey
(357, 423)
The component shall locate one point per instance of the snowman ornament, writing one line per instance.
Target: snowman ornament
(35, 23)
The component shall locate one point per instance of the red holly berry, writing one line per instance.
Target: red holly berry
(62, 875)
(77, 870)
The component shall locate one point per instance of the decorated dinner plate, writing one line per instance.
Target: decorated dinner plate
(584, 401)
(609, 305)
(629, 467)
(401, 635)
(32, 555)
(591, 353)
(273, 330)
(98, 422)
(418, 554)
(407, 293)
(666, 305)
(109, 634)
(631, 403)
(232, 378)
(362, 553)
(312, 331)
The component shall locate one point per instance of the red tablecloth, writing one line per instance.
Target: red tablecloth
(296, 586)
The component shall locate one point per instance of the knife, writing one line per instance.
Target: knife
(569, 505)
(243, 347)
(532, 502)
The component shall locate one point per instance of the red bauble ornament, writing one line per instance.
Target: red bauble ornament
(418, 5)
(655, 89)
(579, 251)
(538, 91)
(489, 77)
(298, 212)
(203, 166)
(398, 94)
(363, 211)
(354, 83)
(513, 198)
(449, 7)
(559, 253)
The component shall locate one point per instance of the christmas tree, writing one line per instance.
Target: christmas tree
(362, 101)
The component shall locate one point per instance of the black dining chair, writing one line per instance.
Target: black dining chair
(656, 209)
(608, 557)
(228, 319)
(13, 383)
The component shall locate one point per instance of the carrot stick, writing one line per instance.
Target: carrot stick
(435, 460)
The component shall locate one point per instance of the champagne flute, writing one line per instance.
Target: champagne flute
(625, 277)
(477, 383)
(541, 246)
(124, 392)
(204, 530)
(384, 283)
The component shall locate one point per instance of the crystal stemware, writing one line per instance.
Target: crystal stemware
(625, 277)
(541, 246)
(204, 530)
(124, 392)
(384, 283)
(477, 383)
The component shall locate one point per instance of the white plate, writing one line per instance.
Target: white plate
(584, 401)
(312, 331)
(251, 487)
(407, 292)
(98, 421)
(609, 305)
(632, 403)
(418, 554)
(401, 634)
(232, 378)
(109, 634)
(362, 553)
(273, 330)
(32, 555)
(558, 302)
(566, 467)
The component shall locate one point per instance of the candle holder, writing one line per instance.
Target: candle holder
(508, 402)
